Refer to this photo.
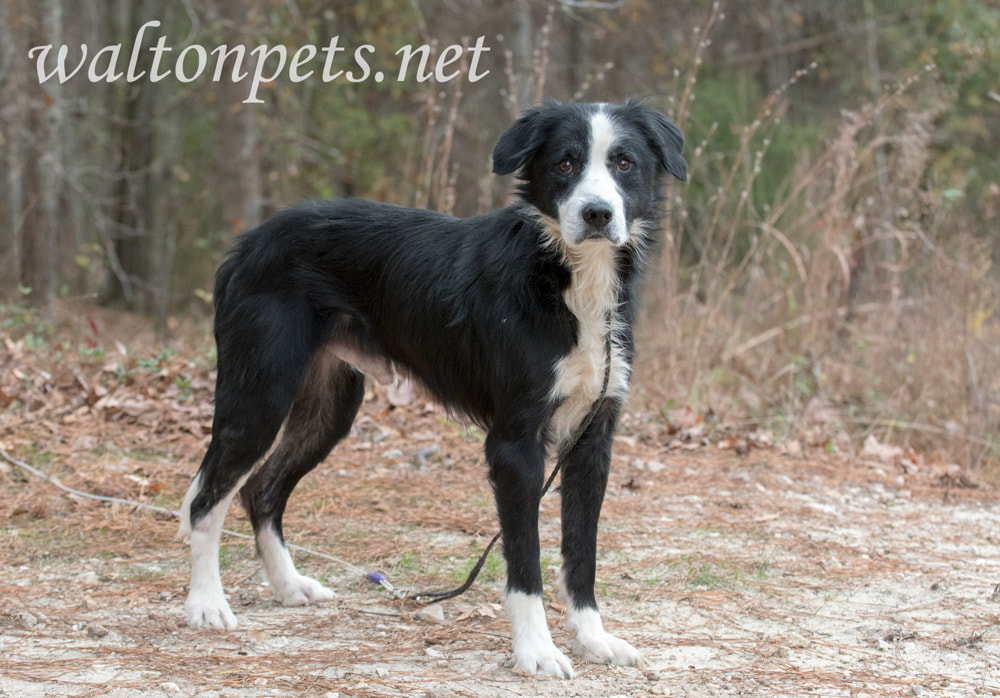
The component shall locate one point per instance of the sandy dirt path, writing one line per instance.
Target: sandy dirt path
(759, 574)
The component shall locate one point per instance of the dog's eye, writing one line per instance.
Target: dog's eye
(566, 166)
(624, 165)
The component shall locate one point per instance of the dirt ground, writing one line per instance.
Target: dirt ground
(737, 566)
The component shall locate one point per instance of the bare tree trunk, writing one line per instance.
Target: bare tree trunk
(578, 42)
(130, 279)
(523, 50)
(239, 170)
(72, 133)
(10, 117)
(37, 240)
(162, 197)
(886, 245)
(865, 273)
(777, 66)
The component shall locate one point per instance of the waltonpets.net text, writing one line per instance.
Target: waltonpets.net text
(262, 64)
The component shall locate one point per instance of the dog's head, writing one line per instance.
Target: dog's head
(594, 171)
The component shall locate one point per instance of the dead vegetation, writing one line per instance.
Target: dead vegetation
(804, 493)
(855, 299)
(738, 562)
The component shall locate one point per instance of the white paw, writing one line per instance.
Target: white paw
(290, 587)
(605, 648)
(534, 652)
(209, 611)
(593, 644)
(298, 590)
(542, 658)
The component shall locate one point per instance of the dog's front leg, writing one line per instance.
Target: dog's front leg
(584, 478)
(517, 470)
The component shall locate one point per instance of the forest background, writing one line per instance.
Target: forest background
(826, 273)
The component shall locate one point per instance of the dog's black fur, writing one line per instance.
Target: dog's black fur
(474, 309)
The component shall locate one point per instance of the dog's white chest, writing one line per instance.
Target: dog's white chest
(592, 298)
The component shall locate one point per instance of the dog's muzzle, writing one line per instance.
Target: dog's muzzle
(599, 222)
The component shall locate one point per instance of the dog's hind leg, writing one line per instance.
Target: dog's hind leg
(260, 370)
(320, 417)
(584, 478)
(238, 442)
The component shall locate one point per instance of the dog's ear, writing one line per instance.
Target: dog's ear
(519, 143)
(666, 138)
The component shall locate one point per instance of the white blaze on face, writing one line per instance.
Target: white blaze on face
(596, 186)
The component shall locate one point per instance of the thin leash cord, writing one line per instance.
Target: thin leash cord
(430, 597)
(437, 596)
(422, 597)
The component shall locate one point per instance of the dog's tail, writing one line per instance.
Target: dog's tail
(266, 330)
(222, 279)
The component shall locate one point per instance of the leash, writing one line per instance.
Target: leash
(430, 597)
(427, 597)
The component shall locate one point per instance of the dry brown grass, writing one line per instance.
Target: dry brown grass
(749, 545)
(861, 297)
(734, 572)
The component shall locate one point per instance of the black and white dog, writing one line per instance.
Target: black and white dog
(520, 319)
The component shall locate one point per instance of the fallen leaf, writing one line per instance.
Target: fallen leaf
(880, 452)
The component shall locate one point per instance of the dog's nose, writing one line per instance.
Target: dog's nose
(597, 215)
